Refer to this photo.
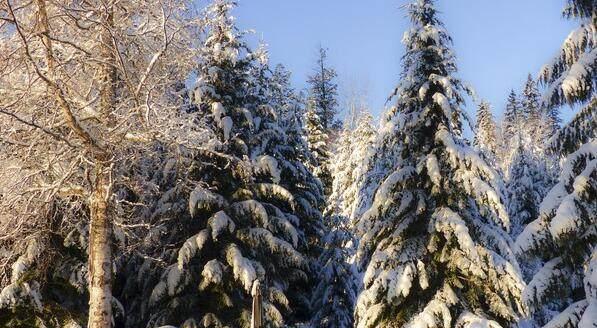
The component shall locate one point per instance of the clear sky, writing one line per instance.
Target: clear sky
(497, 43)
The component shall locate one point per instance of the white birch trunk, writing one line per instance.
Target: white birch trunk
(100, 254)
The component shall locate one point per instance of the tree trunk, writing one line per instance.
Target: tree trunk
(100, 253)
(257, 313)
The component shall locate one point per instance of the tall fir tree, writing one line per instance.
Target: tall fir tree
(253, 208)
(434, 243)
(283, 97)
(319, 143)
(580, 130)
(321, 122)
(323, 91)
(563, 240)
(528, 182)
(561, 246)
(534, 121)
(486, 132)
(570, 76)
(513, 117)
(335, 295)
(363, 140)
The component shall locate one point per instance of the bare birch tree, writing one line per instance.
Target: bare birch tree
(86, 88)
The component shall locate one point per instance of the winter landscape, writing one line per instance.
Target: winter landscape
(158, 169)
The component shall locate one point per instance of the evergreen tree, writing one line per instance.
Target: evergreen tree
(433, 243)
(513, 117)
(363, 139)
(534, 124)
(318, 141)
(323, 91)
(580, 130)
(288, 148)
(562, 241)
(485, 131)
(561, 245)
(570, 76)
(252, 212)
(552, 121)
(283, 96)
(528, 183)
(335, 294)
(321, 123)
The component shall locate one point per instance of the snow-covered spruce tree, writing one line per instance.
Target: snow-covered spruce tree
(252, 210)
(534, 123)
(528, 182)
(351, 163)
(561, 245)
(513, 117)
(323, 91)
(290, 109)
(562, 241)
(434, 242)
(283, 97)
(363, 139)
(318, 142)
(580, 130)
(284, 143)
(571, 76)
(335, 294)
(485, 131)
(511, 131)
(341, 169)
(321, 123)
(552, 122)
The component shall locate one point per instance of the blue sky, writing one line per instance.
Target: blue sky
(497, 43)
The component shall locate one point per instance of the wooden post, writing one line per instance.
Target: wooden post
(257, 316)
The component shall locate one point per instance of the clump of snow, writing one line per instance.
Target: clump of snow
(212, 273)
(251, 208)
(203, 199)
(567, 217)
(589, 317)
(433, 170)
(268, 164)
(448, 222)
(217, 110)
(16, 293)
(400, 282)
(20, 266)
(570, 317)
(170, 284)
(275, 191)
(191, 246)
(220, 222)
(471, 320)
(533, 235)
(575, 80)
(288, 228)
(437, 312)
(443, 102)
(276, 245)
(423, 276)
(423, 90)
(226, 125)
(242, 268)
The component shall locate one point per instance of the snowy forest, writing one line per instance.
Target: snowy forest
(158, 170)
